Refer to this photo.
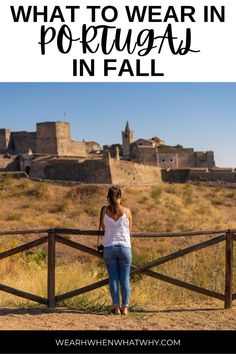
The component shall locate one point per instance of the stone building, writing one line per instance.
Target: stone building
(171, 157)
(50, 138)
(154, 152)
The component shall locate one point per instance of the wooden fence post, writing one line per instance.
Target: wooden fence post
(51, 269)
(229, 270)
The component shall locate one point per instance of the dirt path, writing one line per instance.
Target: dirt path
(64, 319)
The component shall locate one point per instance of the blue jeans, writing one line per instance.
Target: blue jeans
(118, 262)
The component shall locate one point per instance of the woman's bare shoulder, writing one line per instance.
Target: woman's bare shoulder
(127, 210)
(103, 209)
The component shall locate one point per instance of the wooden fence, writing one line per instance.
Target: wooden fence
(52, 236)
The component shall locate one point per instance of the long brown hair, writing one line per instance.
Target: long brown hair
(114, 193)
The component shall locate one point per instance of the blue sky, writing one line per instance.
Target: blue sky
(198, 115)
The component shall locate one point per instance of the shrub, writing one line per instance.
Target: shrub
(170, 225)
(171, 189)
(187, 195)
(156, 193)
(87, 192)
(188, 199)
(230, 195)
(143, 200)
(62, 206)
(218, 188)
(134, 211)
(23, 185)
(8, 179)
(203, 209)
(37, 256)
(40, 190)
(139, 259)
(218, 200)
(153, 226)
(92, 209)
(14, 217)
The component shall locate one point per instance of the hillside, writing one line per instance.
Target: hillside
(168, 207)
(36, 205)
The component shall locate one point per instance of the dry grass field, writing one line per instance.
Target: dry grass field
(27, 204)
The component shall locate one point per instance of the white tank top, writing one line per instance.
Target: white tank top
(116, 231)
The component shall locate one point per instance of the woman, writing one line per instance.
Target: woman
(117, 223)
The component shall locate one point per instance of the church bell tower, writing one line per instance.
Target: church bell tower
(127, 139)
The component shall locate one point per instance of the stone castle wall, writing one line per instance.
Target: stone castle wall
(88, 171)
(213, 176)
(190, 158)
(131, 173)
(21, 142)
(9, 164)
(112, 150)
(146, 160)
(166, 157)
(4, 139)
(168, 160)
(76, 148)
(175, 175)
(199, 175)
(205, 159)
(186, 159)
(146, 155)
(51, 138)
(107, 171)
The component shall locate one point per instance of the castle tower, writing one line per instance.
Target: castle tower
(4, 139)
(127, 139)
(53, 138)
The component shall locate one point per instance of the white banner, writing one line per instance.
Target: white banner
(131, 41)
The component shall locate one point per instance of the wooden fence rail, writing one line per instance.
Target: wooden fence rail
(51, 236)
